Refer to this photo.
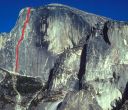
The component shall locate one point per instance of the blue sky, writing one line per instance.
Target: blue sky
(115, 9)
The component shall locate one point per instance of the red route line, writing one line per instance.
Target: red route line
(21, 39)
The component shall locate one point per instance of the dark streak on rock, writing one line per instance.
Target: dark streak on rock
(82, 69)
(59, 105)
(56, 69)
(50, 78)
(105, 33)
(42, 24)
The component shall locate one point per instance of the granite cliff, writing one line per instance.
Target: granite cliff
(69, 60)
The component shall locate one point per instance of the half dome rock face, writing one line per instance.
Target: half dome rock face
(68, 60)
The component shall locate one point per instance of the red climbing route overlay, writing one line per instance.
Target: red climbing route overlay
(21, 39)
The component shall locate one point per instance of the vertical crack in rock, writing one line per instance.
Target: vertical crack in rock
(54, 71)
(105, 33)
(50, 78)
(82, 69)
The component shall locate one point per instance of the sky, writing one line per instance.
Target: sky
(114, 9)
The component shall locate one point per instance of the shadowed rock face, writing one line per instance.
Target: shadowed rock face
(69, 60)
